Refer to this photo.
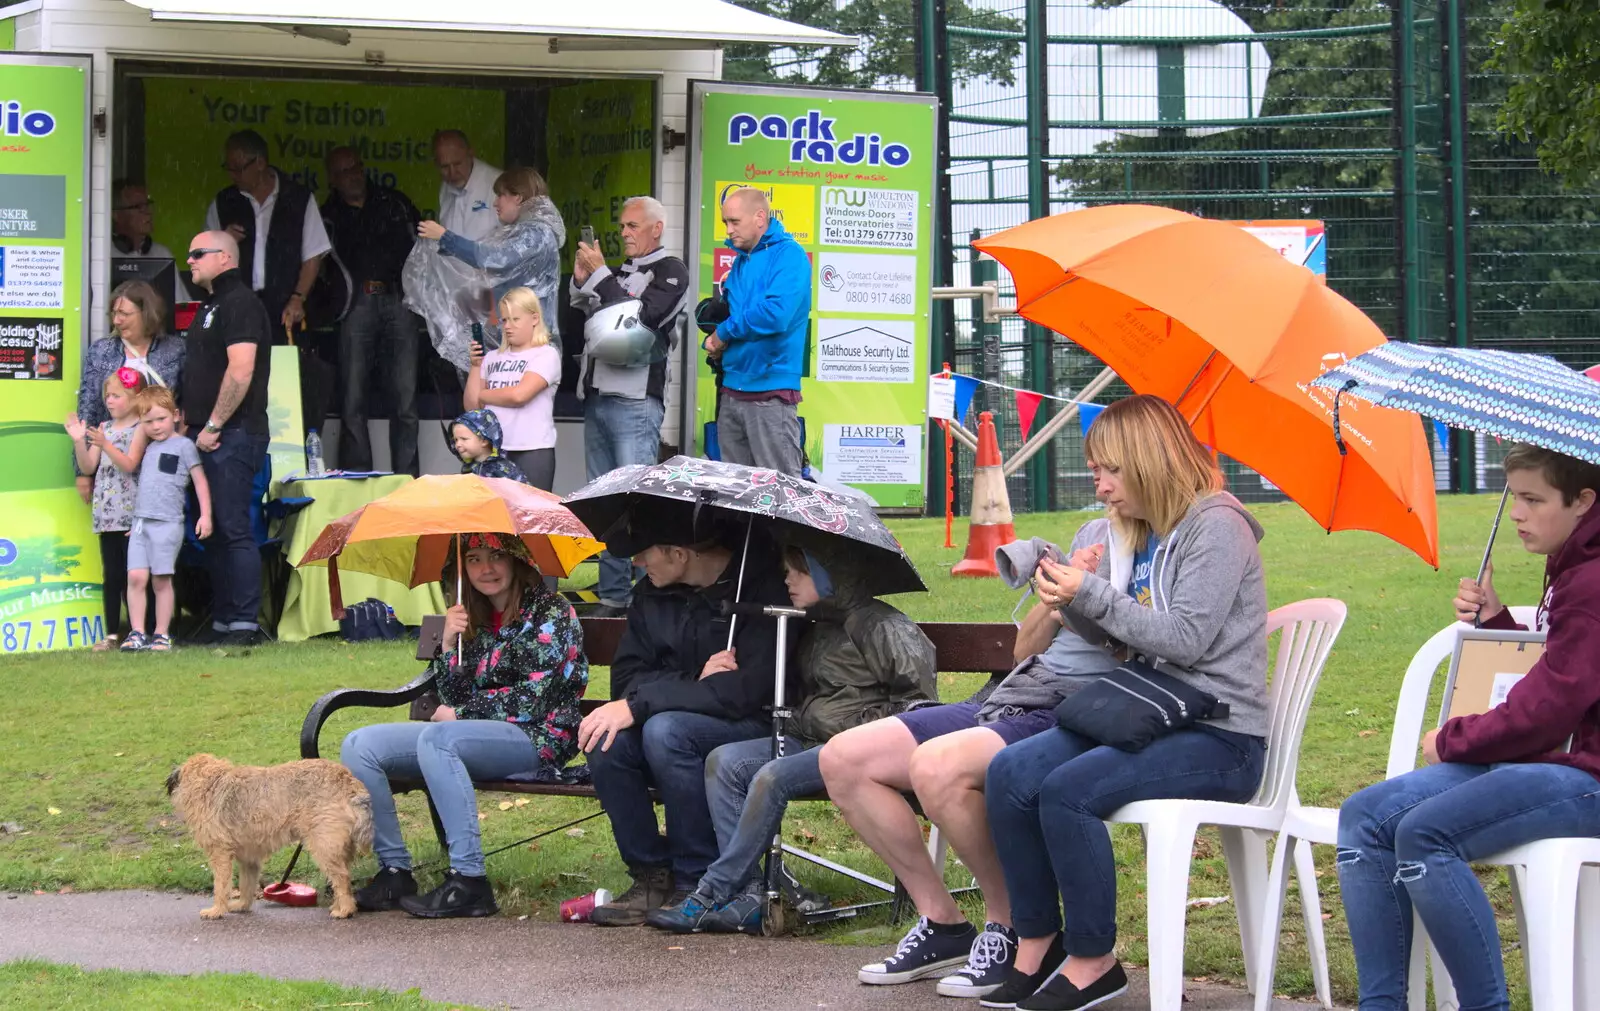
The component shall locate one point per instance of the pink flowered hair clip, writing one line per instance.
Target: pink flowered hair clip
(129, 378)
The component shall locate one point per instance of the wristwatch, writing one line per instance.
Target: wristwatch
(212, 426)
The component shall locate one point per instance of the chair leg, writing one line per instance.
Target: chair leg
(938, 847)
(1311, 907)
(1586, 982)
(1272, 922)
(1169, 847)
(1444, 988)
(1246, 853)
(1551, 897)
(1417, 970)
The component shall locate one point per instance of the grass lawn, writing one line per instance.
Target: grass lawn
(44, 986)
(90, 738)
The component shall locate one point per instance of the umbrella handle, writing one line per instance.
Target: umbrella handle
(738, 587)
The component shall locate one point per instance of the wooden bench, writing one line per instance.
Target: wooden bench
(961, 648)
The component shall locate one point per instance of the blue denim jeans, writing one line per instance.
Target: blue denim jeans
(1047, 798)
(668, 752)
(1407, 843)
(232, 556)
(748, 791)
(448, 756)
(617, 432)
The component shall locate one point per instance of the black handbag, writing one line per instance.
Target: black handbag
(1135, 704)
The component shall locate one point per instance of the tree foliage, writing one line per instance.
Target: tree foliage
(886, 56)
(1551, 50)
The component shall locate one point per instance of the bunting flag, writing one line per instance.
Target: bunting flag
(1086, 415)
(1027, 407)
(966, 386)
(1593, 372)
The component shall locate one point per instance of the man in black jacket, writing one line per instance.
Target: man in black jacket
(678, 692)
(228, 358)
(373, 228)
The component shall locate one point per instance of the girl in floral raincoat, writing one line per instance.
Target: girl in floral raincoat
(509, 694)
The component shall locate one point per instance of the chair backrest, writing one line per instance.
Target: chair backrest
(1307, 630)
(1411, 712)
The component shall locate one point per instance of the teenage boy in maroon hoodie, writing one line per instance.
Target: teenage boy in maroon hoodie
(1494, 780)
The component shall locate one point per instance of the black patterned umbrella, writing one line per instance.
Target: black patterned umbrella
(791, 510)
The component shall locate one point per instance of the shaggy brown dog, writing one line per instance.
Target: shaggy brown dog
(248, 812)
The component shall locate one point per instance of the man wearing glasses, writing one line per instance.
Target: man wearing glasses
(277, 225)
(224, 405)
(132, 221)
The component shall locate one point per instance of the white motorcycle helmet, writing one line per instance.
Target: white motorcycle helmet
(614, 334)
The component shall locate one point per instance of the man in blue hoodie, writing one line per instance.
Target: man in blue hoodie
(762, 343)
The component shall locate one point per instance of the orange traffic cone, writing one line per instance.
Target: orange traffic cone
(990, 524)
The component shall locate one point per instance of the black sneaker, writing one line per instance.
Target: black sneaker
(457, 895)
(739, 915)
(686, 916)
(1060, 995)
(922, 952)
(988, 964)
(385, 890)
(1021, 985)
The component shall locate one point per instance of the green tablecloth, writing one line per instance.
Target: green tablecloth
(305, 604)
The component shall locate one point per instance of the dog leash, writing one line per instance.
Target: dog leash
(295, 856)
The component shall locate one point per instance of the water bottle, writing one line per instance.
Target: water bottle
(314, 467)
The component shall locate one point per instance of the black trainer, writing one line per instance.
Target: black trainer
(1060, 995)
(457, 895)
(1021, 985)
(385, 890)
(923, 952)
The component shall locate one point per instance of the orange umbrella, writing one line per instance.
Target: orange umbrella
(1208, 317)
(405, 535)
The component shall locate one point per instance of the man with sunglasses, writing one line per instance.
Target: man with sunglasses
(224, 404)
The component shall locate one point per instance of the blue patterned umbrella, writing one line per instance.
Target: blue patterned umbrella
(1521, 397)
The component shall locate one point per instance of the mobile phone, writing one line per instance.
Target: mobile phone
(586, 233)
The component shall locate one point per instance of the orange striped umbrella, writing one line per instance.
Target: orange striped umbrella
(1209, 318)
(405, 535)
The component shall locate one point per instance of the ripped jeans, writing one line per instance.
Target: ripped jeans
(1408, 843)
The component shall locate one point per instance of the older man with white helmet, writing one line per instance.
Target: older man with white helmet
(633, 315)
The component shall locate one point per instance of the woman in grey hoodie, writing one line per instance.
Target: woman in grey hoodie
(1181, 586)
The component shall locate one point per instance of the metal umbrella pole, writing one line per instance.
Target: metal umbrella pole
(1488, 549)
(461, 564)
(738, 587)
(772, 915)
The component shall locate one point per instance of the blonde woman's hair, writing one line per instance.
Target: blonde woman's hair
(1161, 463)
(525, 300)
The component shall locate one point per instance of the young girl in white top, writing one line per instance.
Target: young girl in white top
(518, 381)
(111, 452)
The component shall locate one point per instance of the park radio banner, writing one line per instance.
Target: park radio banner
(49, 558)
(851, 176)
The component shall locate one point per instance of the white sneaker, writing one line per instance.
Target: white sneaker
(921, 953)
(988, 963)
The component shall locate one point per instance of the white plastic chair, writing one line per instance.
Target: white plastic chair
(1552, 911)
(1308, 629)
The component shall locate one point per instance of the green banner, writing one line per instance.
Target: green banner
(851, 176)
(49, 557)
(602, 151)
(187, 120)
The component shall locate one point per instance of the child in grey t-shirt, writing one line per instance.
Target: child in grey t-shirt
(170, 463)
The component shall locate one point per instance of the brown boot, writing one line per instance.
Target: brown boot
(651, 887)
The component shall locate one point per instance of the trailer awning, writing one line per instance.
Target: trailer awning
(680, 24)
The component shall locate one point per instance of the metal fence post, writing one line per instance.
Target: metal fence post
(1040, 360)
(1458, 302)
(933, 74)
(1409, 277)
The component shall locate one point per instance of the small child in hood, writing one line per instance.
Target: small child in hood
(476, 435)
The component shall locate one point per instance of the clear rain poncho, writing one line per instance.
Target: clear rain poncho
(455, 282)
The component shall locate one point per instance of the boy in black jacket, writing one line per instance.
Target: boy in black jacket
(678, 692)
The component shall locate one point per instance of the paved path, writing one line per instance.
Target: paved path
(495, 963)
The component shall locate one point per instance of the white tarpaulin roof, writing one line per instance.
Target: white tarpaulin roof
(693, 23)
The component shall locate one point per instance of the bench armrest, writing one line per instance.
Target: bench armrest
(345, 698)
